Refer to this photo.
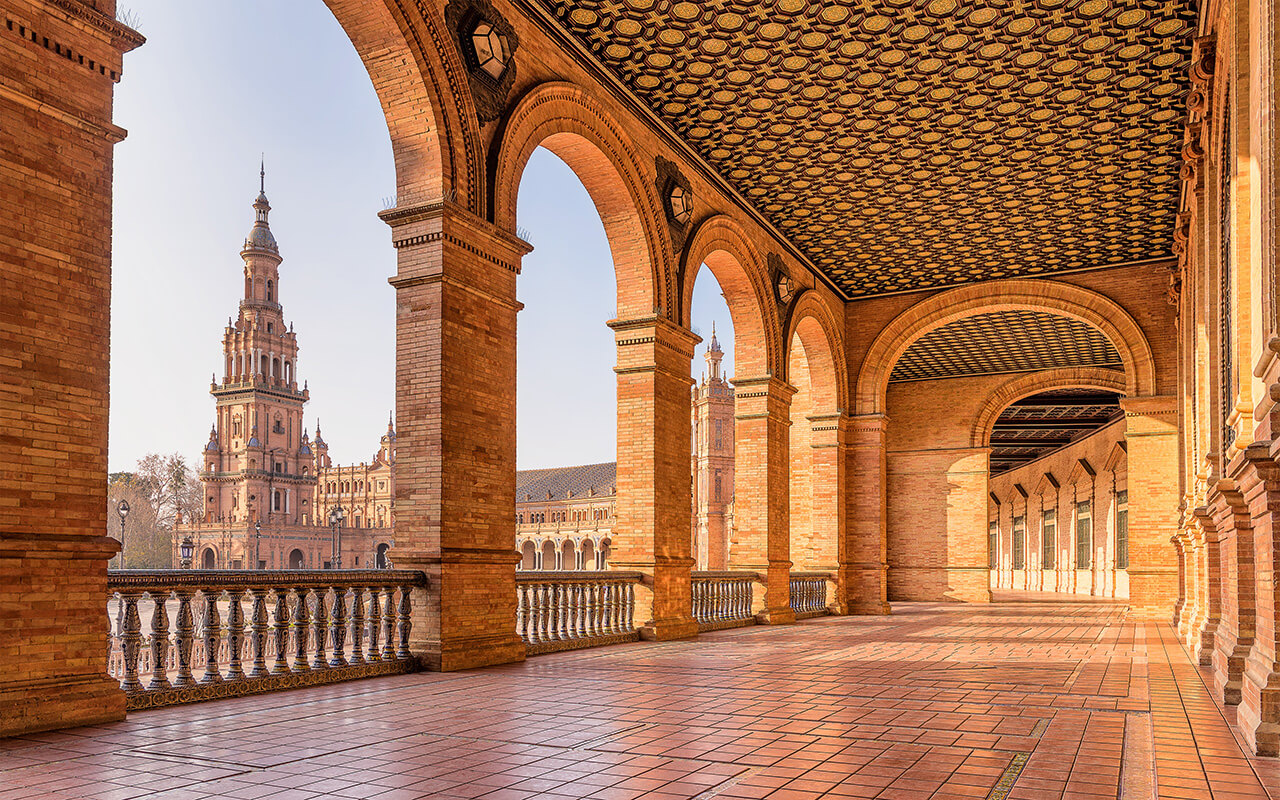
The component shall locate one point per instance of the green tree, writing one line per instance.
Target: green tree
(146, 542)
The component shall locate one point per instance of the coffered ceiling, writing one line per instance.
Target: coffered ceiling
(908, 144)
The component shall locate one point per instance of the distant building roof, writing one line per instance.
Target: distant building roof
(532, 485)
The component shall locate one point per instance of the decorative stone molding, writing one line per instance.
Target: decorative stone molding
(677, 200)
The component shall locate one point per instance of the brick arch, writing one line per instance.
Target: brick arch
(818, 330)
(1035, 382)
(568, 122)
(422, 85)
(723, 246)
(1053, 297)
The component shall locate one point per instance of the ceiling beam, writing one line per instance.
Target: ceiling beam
(1050, 424)
(1068, 401)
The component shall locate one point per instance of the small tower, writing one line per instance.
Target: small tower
(712, 461)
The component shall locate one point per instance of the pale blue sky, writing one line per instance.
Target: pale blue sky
(201, 100)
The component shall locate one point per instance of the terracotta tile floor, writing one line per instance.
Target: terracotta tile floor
(1017, 701)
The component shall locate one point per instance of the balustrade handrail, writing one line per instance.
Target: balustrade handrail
(727, 575)
(579, 576)
(814, 573)
(144, 580)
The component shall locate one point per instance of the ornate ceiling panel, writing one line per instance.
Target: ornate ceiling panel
(1037, 426)
(907, 144)
(1005, 341)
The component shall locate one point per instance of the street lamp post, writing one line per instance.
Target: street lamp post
(257, 542)
(123, 511)
(185, 551)
(336, 515)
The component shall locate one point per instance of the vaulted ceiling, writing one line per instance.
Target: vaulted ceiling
(1036, 426)
(908, 144)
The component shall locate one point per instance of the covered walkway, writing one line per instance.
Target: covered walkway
(1012, 700)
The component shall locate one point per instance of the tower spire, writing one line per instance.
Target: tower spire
(262, 175)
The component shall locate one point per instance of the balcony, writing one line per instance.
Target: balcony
(1006, 700)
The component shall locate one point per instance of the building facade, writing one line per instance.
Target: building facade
(269, 490)
(712, 462)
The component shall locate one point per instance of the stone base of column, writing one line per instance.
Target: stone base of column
(867, 608)
(862, 590)
(30, 706)
(776, 616)
(1152, 593)
(469, 652)
(669, 630)
(1259, 713)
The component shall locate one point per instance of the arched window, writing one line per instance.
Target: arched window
(296, 559)
(275, 500)
(209, 560)
(380, 557)
(270, 291)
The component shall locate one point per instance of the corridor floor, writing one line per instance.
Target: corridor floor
(1014, 700)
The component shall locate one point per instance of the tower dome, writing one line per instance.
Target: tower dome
(260, 237)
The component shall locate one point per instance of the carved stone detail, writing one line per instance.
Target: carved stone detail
(490, 95)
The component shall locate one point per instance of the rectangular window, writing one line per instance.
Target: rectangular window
(1049, 539)
(1122, 530)
(993, 545)
(1019, 542)
(717, 486)
(1084, 535)
(718, 434)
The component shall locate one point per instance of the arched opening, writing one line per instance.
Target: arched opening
(296, 559)
(815, 447)
(568, 555)
(713, 425)
(528, 555)
(209, 559)
(589, 554)
(603, 558)
(271, 293)
(380, 560)
(548, 552)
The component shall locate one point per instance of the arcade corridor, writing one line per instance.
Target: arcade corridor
(1013, 700)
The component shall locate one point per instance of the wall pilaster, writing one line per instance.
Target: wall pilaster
(1151, 435)
(864, 585)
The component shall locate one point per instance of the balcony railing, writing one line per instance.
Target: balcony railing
(809, 593)
(723, 599)
(558, 611)
(255, 631)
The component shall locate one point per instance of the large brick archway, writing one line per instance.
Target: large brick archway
(1026, 385)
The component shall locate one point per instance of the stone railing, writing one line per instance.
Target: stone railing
(254, 631)
(723, 599)
(569, 610)
(809, 593)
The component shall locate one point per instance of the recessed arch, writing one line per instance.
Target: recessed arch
(723, 246)
(1035, 382)
(1036, 295)
(813, 324)
(568, 122)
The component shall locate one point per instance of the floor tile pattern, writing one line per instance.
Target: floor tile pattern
(1022, 701)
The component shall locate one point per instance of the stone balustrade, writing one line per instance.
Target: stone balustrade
(255, 631)
(558, 611)
(723, 599)
(809, 593)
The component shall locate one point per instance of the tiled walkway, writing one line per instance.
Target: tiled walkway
(1006, 701)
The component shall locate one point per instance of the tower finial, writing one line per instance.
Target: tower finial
(262, 174)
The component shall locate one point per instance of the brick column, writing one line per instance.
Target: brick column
(864, 585)
(652, 533)
(761, 491)
(1151, 435)
(456, 428)
(1205, 628)
(828, 441)
(56, 143)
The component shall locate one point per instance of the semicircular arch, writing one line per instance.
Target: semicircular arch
(565, 120)
(1034, 383)
(722, 245)
(1054, 297)
(818, 330)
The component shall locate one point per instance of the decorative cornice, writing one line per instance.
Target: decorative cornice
(120, 35)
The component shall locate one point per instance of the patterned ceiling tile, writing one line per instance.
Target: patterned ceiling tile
(1047, 422)
(908, 144)
(1005, 341)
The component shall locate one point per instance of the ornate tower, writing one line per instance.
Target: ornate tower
(258, 464)
(713, 450)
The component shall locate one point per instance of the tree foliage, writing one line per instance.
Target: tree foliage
(161, 491)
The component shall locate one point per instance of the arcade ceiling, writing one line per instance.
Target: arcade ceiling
(909, 144)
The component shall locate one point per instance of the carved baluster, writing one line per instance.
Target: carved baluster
(235, 635)
(357, 626)
(159, 642)
(591, 607)
(211, 635)
(280, 630)
(628, 617)
(185, 638)
(258, 632)
(388, 623)
(607, 591)
(522, 614)
(320, 631)
(559, 611)
(539, 612)
(374, 653)
(338, 628)
(406, 623)
(532, 613)
(130, 627)
(301, 625)
(573, 606)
